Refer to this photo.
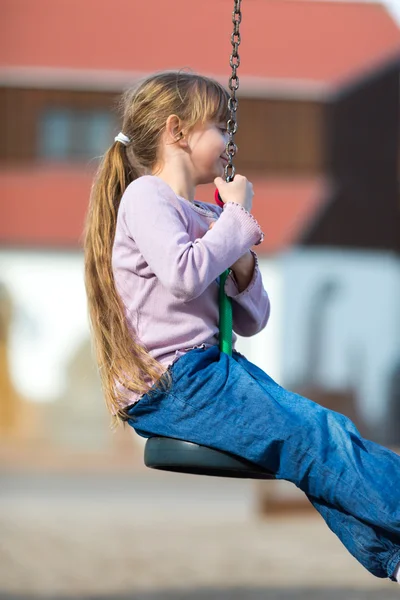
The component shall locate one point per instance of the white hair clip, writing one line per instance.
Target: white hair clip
(121, 137)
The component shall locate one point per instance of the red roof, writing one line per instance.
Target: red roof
(46, 207)
(282, 39)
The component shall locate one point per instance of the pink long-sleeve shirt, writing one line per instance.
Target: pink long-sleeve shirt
(166, 264)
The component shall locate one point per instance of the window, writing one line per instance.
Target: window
(74, 134)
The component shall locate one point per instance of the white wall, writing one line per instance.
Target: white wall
(50, 319)
(362, 334)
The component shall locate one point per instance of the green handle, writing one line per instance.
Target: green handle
(225, 317)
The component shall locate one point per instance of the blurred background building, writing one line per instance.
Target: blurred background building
(319, 138)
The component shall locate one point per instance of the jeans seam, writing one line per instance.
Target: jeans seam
(359, 494)
(331, 474)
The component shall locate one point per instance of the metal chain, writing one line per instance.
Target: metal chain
(234, 62)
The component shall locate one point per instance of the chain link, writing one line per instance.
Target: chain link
(234, 62)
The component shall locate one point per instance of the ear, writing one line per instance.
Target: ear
(173, 129)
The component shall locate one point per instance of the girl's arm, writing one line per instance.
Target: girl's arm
(250, 303)
(153, 218)
(243, 270)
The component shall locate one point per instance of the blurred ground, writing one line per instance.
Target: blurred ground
(166, 536)
(242, 594)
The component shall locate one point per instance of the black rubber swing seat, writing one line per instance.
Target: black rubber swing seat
(169, 454)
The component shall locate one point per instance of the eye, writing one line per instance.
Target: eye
(223, 129)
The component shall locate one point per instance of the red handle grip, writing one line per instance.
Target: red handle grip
(217, 199)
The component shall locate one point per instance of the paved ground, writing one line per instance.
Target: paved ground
(238, 594)
(166, 537)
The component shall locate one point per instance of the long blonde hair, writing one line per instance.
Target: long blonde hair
(123, 362)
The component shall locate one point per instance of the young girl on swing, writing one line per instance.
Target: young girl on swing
(153, 256)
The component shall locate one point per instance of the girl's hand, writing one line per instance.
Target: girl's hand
(240, 190)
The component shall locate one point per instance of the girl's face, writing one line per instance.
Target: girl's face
(207, 144)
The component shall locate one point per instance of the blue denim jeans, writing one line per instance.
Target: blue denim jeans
(228, 403)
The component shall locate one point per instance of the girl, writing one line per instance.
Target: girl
(153, 255)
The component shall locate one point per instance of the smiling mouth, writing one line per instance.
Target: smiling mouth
(224, 158)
